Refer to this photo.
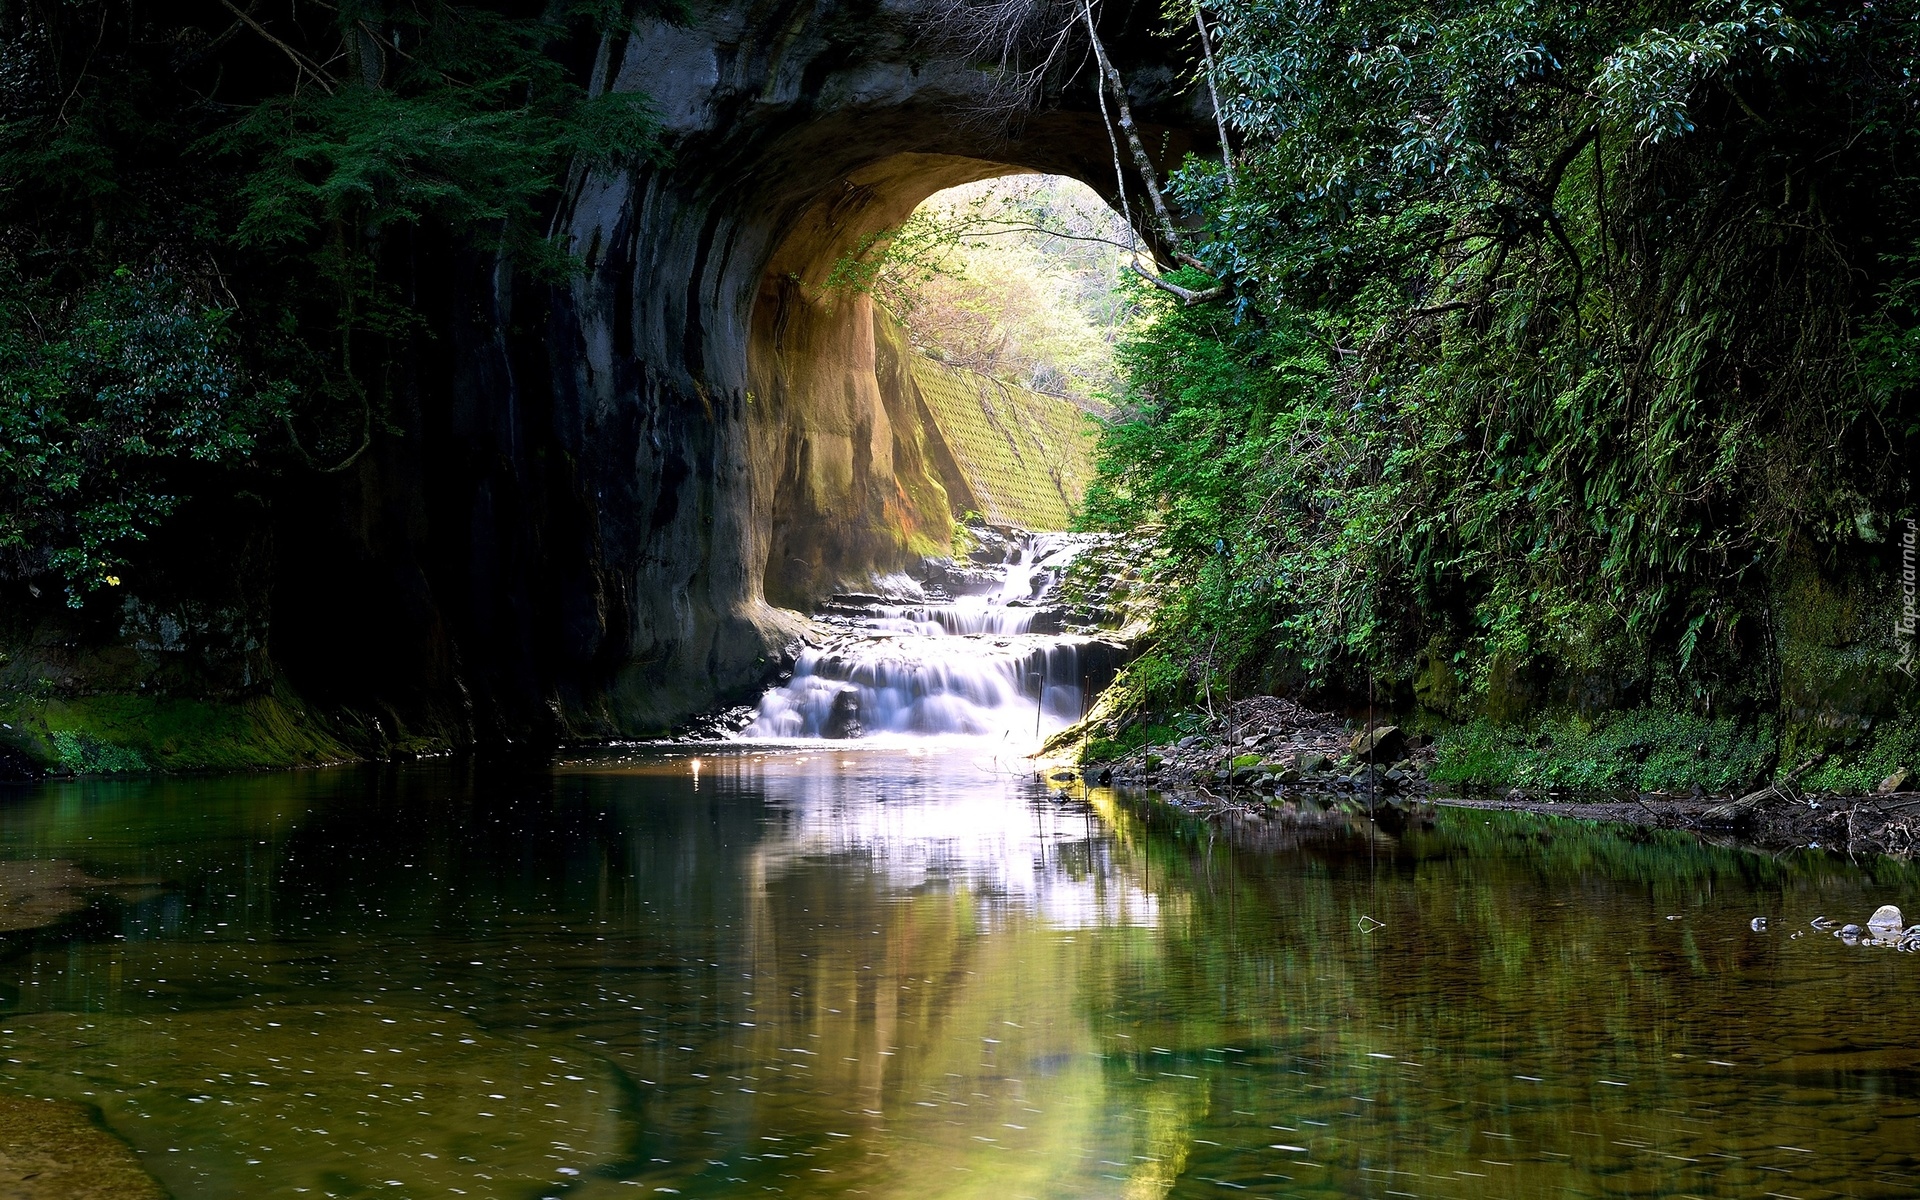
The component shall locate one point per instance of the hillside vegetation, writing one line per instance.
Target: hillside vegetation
(1015, 277)
(1557, 360)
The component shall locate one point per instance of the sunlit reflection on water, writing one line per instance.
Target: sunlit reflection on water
(894, 974)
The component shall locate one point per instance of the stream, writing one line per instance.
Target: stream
(914, 972)
(861, 950)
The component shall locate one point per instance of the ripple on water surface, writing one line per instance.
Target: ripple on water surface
(831, 973)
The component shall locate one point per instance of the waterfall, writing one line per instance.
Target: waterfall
(951, 666)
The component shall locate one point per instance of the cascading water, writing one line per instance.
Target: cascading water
(920, 663)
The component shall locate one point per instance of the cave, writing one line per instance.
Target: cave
(609, 512)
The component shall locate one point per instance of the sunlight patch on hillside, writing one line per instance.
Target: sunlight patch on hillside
(1015, 277)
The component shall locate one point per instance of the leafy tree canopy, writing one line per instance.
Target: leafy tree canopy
(206, 223)
(1556, 332)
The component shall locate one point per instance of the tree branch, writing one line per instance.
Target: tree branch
(1213, 92)
(1149, 176)
(301, 63)
(1187, 296)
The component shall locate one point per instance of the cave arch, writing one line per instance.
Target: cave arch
(700, 331)
(573, 536)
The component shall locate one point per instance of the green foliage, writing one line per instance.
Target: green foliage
(1130, 737)
(1012, 277)
(1860, 766)
(1635, 750)
(1103, 750)
(470, 123)
(1230, 441)
(107, 412)
(285, 176)
(1149, 697)
(1554, 329)
(86, 755)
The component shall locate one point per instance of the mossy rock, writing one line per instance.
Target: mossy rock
(1436, 686)
(117, 734)
(1509, 694)
(1642, 749)
(1839, 672)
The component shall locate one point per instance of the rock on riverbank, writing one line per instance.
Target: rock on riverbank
(1265, 744)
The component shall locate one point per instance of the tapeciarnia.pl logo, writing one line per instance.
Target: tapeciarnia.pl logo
(1904, 625)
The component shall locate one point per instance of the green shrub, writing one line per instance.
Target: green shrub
(86, 755)
(1131, 738)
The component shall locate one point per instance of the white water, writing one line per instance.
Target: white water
(969, 667)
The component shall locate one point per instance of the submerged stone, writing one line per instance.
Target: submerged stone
(56, 1151)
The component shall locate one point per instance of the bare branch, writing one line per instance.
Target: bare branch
(1187, 296)
(1213, 93)
(301, 63)
(1143, 163)
(1025, 37)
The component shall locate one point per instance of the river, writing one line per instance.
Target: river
(898, 972)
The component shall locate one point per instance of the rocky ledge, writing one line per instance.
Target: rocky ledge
(1268, 745)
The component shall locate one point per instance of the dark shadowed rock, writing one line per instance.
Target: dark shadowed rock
(843, 720)
(1385, 744)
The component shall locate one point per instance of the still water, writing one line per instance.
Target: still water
(879, 973)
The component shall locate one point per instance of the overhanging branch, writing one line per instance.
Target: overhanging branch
(1188, 296)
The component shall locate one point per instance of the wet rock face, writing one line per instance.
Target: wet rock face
(591, 525)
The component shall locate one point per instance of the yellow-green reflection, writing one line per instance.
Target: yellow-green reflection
(888, 975)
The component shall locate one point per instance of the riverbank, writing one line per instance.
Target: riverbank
(1887, 825)
(1265, 752)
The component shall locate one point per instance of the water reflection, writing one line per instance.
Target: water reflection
(864, 973)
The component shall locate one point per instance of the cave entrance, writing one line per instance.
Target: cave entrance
(929, 342)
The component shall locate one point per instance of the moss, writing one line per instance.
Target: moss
(1507, 696)
(1870, 758)
(1129, 739)
(122, 733)
(1026, 457)
(84, 754)
(1641, 749)
(1838, 655)
(1435, 684)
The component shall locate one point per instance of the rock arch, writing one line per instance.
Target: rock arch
(623, 467)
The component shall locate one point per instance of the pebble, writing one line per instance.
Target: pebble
(1886, 921)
